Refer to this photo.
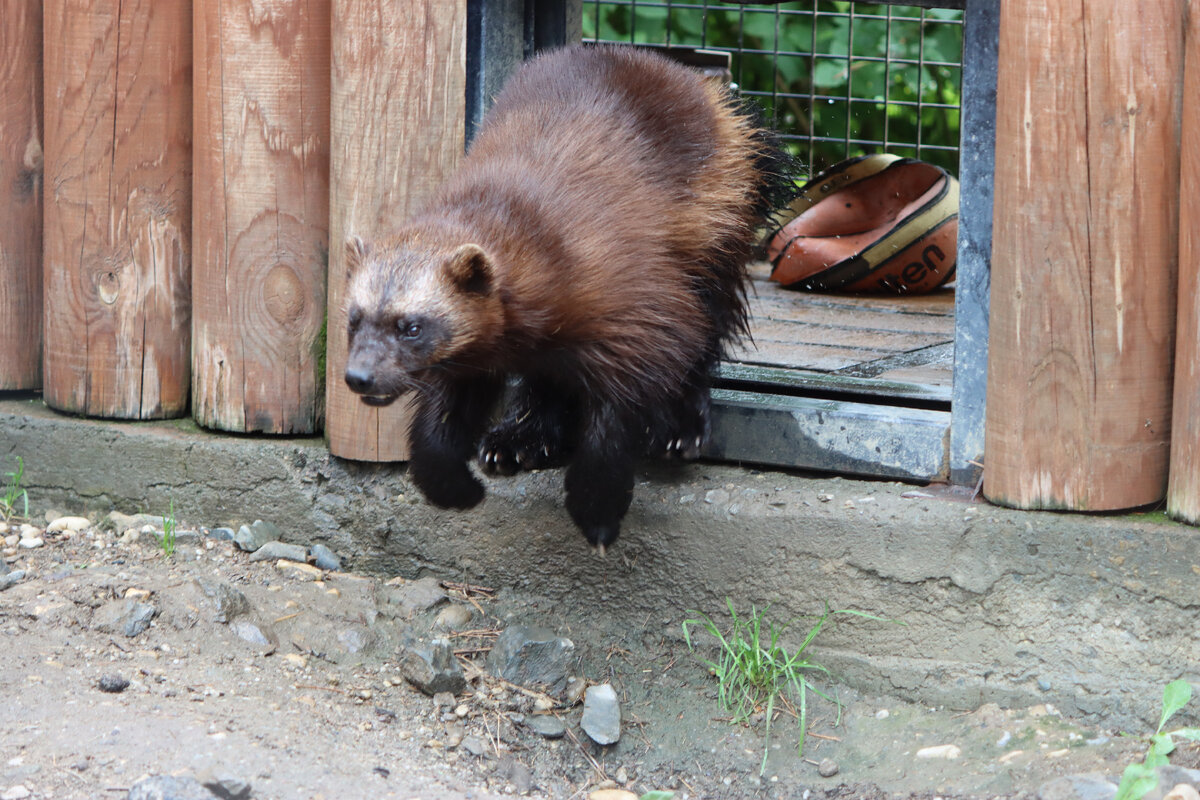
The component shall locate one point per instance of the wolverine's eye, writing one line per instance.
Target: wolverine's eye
(412, 330)
(356, 317)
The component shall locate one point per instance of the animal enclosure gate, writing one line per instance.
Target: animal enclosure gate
(176, 179)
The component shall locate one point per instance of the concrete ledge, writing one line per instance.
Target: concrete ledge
(1093, 614)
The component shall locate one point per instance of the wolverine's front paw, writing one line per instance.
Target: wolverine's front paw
(525, 444)
(452, 487)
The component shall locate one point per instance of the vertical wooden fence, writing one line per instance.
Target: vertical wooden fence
(1084, 254)
(21, 189)
(399, 90)
(118, 207)
(1087, 227)
(261, 214)
(1183, 497)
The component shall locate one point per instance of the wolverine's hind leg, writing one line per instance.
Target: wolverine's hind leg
(535, 432)
(449, 420)
(599, 480)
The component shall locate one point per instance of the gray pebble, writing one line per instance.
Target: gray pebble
(531, 656)
(417, 596)
(474, 745)
(127, 617)
(114, 684)
(226, 787)
(273, 551)
(229, 601)
(827, 768)
(546, 725)
(11, 579)
(324, 558)
(454, 617)
(601, 714)
(252, 537)
(224, 534)
(165, 787)
(431, 667)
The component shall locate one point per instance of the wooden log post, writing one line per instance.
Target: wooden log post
(261, 214)
(21, 195)
(1183, 493)
(118, 211)
(399, 89)
(1084, 254)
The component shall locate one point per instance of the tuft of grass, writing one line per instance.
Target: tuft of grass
(1139, 779)
(756, 671)
(13, 492)
(168, 539)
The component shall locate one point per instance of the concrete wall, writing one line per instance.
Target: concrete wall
(1093, 614)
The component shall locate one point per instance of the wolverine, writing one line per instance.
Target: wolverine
(585, 264)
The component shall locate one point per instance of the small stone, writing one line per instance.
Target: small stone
(134, 593)
(612, 794)
(18, 792)
(221, 534)
(256, 634)
(296, 569)
(474, 745)
(417, 596)
(431, 667)
(323, 558)
(547, 726)
(252, 537)
(882, 713)
(11, 579)
(453, 617)
(531, 656)
(226, 787)
(229, 602)
(165, 787)
(944, 751)
(1182, 791)
(296, 660)
(1092, 786)
(716, 497)
(12, 540)
(128, 617)
(272, 551)
(601, 714)
(827, 768)
(32, 542)
(113, 684)
(72, 524)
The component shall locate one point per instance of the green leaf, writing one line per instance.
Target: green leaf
(1187, 733)
(1176, 695)
(1136, 781)
(657, 795)
(1161, 746)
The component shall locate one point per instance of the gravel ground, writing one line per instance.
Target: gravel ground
(120, 662)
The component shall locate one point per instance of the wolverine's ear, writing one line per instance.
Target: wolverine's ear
(357, 252)
(470, 269)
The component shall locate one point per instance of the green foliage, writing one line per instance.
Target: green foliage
(846, 75)
(657, 795)
(169, 527)
(756, 671)
(1139, 779)
(13, 492)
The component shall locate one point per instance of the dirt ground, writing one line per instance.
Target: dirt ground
(318, 708)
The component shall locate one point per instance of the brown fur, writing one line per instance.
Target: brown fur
(592, 240)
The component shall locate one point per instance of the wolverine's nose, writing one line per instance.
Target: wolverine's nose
(360, 380)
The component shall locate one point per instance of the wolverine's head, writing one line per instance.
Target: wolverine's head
(414, 307)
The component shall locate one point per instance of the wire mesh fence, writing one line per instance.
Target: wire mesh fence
(836, 78)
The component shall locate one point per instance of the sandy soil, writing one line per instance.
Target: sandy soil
(319, 709)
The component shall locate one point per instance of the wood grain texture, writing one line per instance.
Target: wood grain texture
(399, 89)
(1084, 253)
(118, 210)
(261, 214)
(21, 194)
(1183, 493)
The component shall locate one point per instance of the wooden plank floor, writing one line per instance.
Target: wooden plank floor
(876, 345)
